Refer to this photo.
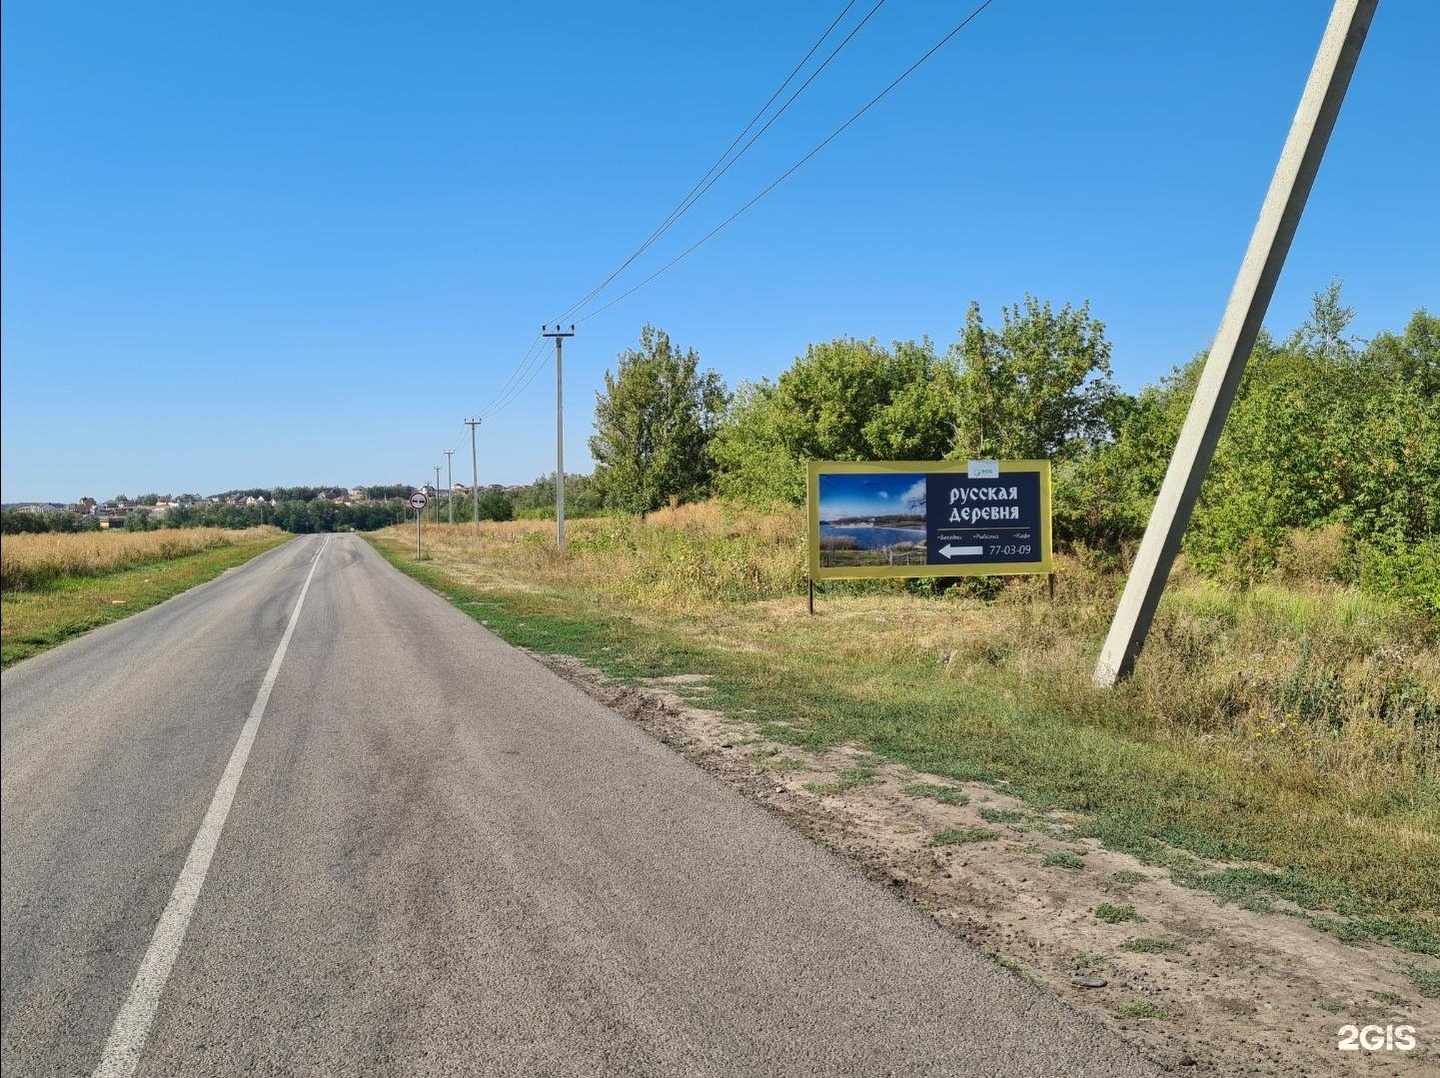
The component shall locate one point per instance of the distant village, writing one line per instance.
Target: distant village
(114, 513)
(317, 508)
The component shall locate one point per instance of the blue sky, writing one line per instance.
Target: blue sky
(843, 495)
(265, 243)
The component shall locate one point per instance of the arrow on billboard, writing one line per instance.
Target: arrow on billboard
(955, 551)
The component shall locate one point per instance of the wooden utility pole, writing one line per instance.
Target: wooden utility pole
(559, 336)
(1234, 340)
(474, 474)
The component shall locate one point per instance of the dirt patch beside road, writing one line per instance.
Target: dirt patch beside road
(1204, 986)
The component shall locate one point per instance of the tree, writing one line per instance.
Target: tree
(845, 399)
(496, 506)
(653, 426)
(1413, 356)
(829, 395)
(753, 463)
(1324, 433)
(1038, 387)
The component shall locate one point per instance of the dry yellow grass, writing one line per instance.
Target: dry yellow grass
(1288, 732)
(32, 561)
(1304, 675)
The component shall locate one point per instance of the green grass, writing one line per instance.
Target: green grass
(36, 621)
(956, 836)
(782, 764)
(1006, 816)
(1358, 921)
(1114, 915)
(809, 683)
(946, 795)
(1427, 981)
(1013, 966)
(1128, 875)
(1064, 859)
(1149, 945)
(852, 778)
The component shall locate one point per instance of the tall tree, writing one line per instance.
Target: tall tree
(845, 399)
(653, 426)
(1037, 387)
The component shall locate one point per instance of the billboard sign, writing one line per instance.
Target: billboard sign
(929, 518)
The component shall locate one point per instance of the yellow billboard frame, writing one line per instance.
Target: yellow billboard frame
(816, 468)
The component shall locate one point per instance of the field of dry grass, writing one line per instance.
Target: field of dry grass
(58, 586)
(1300, 673)
(1295, 724)
(33, 561)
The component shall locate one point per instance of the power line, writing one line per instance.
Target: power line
(530, 366)
(711, 176)
(796, 166)
(458, 434)
(536, 366)
(526, 358)
(524, 374)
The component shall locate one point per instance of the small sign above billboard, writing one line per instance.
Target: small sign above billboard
(929, 518)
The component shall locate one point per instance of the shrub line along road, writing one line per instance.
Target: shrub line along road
(440, 858)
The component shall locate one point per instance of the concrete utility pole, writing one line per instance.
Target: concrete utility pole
(1234, 340)
(474, 474)
(435, 513)
(559, 336)
(450, 484)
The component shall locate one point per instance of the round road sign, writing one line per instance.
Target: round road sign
(419, 500)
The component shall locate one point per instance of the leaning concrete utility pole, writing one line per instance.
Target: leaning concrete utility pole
(474, 474)
(450, 484)
(1234, 340)
(559, 336)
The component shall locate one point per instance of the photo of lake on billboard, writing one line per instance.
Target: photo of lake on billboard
(871, 519)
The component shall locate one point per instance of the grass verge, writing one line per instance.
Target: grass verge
(37, 620)
(859, 674)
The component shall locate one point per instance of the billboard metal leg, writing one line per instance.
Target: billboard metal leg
(1052, 588)
(812, 597)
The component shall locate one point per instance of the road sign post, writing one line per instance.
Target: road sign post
(418, 501)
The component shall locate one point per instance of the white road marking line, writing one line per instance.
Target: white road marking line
(132, 1025)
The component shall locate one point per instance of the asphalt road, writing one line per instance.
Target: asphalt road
(439, 858)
